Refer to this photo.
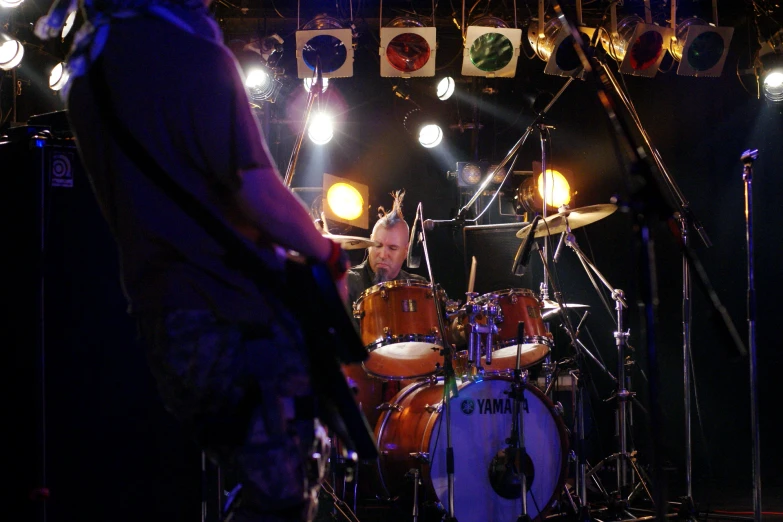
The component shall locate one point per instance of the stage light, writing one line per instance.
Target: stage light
(407, 48)
(445, 88)
(58, 77)
(638, 46)
(308, 83)
(260, 79)
(320, 130)
(69, 24)
(701, 48)
(430, 135)
(769, 68)
(530, 196)
(10, 3)
(423, 127)
(324, 41)
(345, 201)
(11, 52)
(491, 49)
(556, 47)
(471, 173)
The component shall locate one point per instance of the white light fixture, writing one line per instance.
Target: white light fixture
(69, 24)
(407, 48)
(58, 77)
(423, 127)
(769, 68)
(308, 84)
(324, 41)
(491, 49)
(321, 129)
(10, 3)
(11, 52)
(445, 88)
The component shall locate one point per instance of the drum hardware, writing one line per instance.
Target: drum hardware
(415, 475)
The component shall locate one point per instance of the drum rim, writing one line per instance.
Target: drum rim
(391, 284)
(527, 292)
(408, 338)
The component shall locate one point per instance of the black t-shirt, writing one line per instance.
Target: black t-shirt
(183, 99)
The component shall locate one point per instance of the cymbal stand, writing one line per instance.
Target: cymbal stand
(622, 394)
(517, 453)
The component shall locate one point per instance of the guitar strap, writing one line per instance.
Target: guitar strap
(331, 324)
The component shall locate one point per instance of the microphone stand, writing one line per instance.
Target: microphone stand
(748, 157)
(516, 452)
(536, 122)
(449, 376)
(315, 90)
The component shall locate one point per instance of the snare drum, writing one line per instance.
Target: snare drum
(412, 434)
(515, 305)
(398, 323)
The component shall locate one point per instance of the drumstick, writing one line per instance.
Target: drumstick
(472, 279)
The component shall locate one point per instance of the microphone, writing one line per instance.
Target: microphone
(414, 245)
(522, 257)
(430, 224)
(556, 257)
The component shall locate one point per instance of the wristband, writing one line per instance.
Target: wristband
(337, 262)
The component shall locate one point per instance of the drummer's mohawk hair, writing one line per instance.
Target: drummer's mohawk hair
(393, 216)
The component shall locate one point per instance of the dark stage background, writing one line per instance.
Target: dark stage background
(112, 453)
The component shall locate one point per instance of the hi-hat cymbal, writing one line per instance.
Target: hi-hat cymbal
(352, 242)
(577, 217)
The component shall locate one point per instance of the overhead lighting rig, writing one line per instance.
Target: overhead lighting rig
(552, 43)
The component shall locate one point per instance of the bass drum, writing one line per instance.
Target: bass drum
(412, 434)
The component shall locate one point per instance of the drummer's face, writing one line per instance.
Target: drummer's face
(389, 256)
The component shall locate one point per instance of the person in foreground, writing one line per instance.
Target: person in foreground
(227, 353)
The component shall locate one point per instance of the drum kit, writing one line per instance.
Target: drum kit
(460, 428)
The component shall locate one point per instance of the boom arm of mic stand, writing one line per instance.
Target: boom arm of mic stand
(318, 85)
(513, 150)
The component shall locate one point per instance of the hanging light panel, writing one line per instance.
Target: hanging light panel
(701, 48)
(638, 46)
(491, 49)
(324, 41)
(345, 201)
(407, 49)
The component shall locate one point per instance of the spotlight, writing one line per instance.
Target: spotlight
(10, 3)
(530, 194)
(58, 77)
(345, 201)
(69, 24)
(407, 48)
(445, 88)
(638, 46)
(701, 48)
(325, 41)
(424, 128)
(321, 129)
(11, 52)
(471, 173)
(556, 47)
(261, 81)
(308, 83)
(491, 49)
(769, 68)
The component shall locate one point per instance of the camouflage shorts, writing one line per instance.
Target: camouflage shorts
(241, 392)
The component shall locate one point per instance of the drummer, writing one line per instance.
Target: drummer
(383, 262)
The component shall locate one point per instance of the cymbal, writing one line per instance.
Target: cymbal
(352, 242)
(577, 217)
(551, 308)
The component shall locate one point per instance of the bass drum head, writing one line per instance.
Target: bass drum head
(481, 422)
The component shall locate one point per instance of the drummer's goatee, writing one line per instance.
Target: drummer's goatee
(381, 275)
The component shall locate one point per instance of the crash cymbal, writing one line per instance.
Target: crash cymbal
(551, 308)
(549, 304)
(352, 242)
(577, 217)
